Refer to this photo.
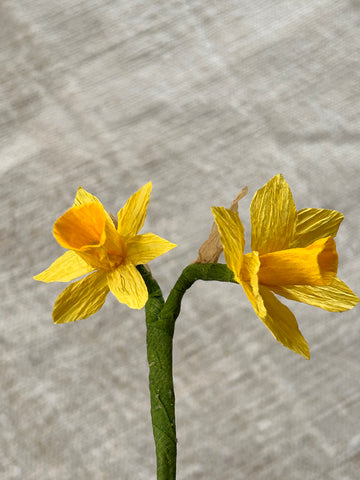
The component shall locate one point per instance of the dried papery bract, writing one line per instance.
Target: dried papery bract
(211, 249)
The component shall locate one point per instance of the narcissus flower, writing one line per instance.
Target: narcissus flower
(293, 255)
(107, 252)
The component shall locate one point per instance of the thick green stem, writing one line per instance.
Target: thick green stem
(160, 322)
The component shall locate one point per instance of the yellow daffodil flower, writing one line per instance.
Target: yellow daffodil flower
(293, 255)
(107, 252)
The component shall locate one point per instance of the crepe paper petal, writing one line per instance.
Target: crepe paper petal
(114, 243)
(128, 286)
(276, 316)
(273, 216)
(282, 324)
(232, 237)
(132, 216)
(81, 227)
(81, 299)
(65, 269)
(250, 283)
(315, 223)
(314, 265)
(144, 248)
(336, 297)
(82, 197)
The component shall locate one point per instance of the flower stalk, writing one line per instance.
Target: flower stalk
(160, 323)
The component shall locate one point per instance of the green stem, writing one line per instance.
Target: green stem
(160, 322)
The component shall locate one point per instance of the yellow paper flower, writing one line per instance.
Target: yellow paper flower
(293, 255)
(108, 253)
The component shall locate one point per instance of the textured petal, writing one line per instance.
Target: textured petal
(273, 216)
(82, 197)
(250, 283)
(232, 237)
(114, 242)
(81, 299)
(65, 268)
(128, 286)
(314, 265)
(81, 227)
(146, 247)
(132, 216)
(315, 223)
(282, 324)
(276, 316)
(336, 297)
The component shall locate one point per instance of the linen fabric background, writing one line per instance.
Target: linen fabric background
(202, 98)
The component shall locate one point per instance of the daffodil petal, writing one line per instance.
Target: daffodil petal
(81, 299)
(249, 271)
(82, 197)
(336, 297)
(282, 324)
(146, 247)
(114, 242)
(81, 227)
(132, 216)
(315, 223)
(128, 286)
(276, 316)
(273, 216)
(65, 268)
(232, 237)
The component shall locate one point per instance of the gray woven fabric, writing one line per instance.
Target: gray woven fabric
(202, 98)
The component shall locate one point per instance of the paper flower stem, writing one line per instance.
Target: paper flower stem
(160, 322)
